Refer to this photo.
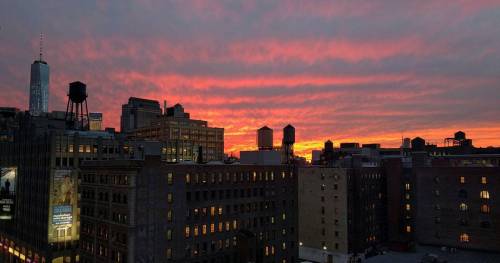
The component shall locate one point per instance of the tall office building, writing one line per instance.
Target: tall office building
(138, 113)
(39, 86)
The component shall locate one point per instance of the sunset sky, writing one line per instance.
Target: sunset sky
(365, 71)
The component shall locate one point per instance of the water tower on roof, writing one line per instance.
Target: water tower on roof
(265, 138)
(76, 115)
(288, 141)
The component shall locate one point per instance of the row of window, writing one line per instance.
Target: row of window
(234, 178)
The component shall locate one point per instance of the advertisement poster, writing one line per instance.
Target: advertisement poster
(63, 206)
(7, 192)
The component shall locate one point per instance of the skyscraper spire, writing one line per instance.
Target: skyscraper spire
(41, 46)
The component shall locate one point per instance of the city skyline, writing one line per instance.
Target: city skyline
(347, 72)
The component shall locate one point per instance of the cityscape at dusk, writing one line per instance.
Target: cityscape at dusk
(273, 131)
(348, 71)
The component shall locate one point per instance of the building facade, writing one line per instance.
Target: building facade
(458, 207)
(152, 211)
(323, 210)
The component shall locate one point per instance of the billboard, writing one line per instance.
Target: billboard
(8, 179)
(63, 206)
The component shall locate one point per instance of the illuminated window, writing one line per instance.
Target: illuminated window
(485, 209)
(484, 180)
(485, 195)
(254, 177)
(188, 178)
(266, 251)
(187, 231)
(220, 210)
(464, 238)
(212, 228)
(407, 196)
(195, 231)
(283, 245)
(80, 148)
(283, 216)
(170, 179)
(408, 207)
(462, 179)
(407, 187)
(228, 226)
(169, 253)
(408, 229)
(283, 175)
(204, 229)
(235, 224)
(169, 234)
(220, 226)
(463, 207)
(70, 149)
(169, 198)
(212, 211)
(169, 216)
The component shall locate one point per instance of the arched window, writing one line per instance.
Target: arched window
(464, 238)
(485, 195)
(485, 209)
(463, 207)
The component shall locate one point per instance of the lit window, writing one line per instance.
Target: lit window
(212, 211)
(464, 238)
(407, 196)
(220, 226)
(220, 210)
(462, 179)
(408, 229)
(188, 178)
(212, 228)
(485, 195)
(169, 234)
(204, 229)
(169, 253)
(283, 245)
(407, 187)
(485, 209)
(169, 216)
(195, 230)
(228, 226)
(170, 179)
(169, 198)
(484, 180)
(463, 207)
(283, 175)
(187, 231)
(408, 207)
(283, 216)
(235, 224)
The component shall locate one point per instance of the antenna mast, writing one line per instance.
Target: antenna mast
(41, 45)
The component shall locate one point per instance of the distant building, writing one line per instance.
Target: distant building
(39, 87)
(148, 211)
(138, 113)
(183, 137)
(95, 121)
